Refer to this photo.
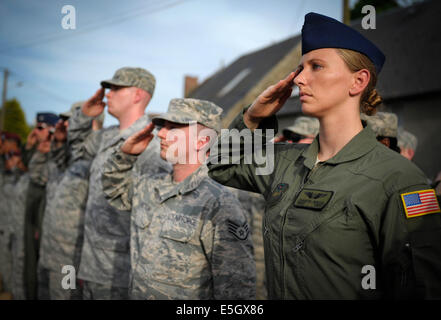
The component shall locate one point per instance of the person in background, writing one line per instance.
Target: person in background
(385, 127)
(304, 130)
(407, 142)
(105, 256)
(13, 192)
(36, 156)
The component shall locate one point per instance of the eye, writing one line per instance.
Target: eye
(316, 66)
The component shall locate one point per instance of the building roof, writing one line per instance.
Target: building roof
(252, 67)
(409, 37)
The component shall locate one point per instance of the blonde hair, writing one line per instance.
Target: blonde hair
(356, 61)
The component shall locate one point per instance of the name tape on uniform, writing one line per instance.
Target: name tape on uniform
(419, 203)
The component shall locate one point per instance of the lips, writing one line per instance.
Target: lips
(302, 93)
(304, 96)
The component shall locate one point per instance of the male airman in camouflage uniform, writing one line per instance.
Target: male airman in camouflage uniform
(8, 173)
(105, 260)
(407, 142)
(254, 208)
(38, 152)
(55, 167)
(14, 189)
(190, 237)
(303, 130)
(66, 238)
(13, 184)
(62, 225)
(385, 127)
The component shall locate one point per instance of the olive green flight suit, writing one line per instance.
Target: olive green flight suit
(338, 229)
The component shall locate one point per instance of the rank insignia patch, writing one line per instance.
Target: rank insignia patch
(239, 231)
(420, 203)
(313, 199)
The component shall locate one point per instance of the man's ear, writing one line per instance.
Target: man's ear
(202, 142)
(360, 81)
(142, 96)
(137, 96)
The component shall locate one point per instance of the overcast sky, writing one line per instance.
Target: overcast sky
(50, 67)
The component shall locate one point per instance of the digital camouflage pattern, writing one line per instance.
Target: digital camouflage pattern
(305, 126)
(63, 223)
(5, 229)
(384, 124)
(406, 139)
(189, 240)
(132, 77)
(254, 207)
(95, 291)
(188, 110)
(105, 256)
(14, 191)
(55, 167)
(38, 170)
(34, 215)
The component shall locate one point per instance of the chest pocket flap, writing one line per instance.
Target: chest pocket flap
(142, 215)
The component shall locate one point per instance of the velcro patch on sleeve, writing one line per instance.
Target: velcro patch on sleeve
(419, 203)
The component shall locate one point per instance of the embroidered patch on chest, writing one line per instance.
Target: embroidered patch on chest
(420, 203)
(313, 199)
(240, 232)
(279, 191)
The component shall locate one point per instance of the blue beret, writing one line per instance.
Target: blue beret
(47, 117)
(320, 31)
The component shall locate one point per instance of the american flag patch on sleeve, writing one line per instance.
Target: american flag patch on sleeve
(419, 203)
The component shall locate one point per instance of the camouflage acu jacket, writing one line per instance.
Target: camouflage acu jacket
(189, 240)
(105, 254)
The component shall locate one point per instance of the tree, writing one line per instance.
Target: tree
(380, 6)
(15, 120)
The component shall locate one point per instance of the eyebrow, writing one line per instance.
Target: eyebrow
(312, 60)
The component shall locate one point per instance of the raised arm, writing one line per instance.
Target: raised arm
(117, 177)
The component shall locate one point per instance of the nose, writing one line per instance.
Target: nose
(162, 134)
(109, 92)
(300, 78)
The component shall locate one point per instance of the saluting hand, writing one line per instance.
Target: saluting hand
(95, 105)
(139, 141)
(32, 139)
(60, 134)
(269, 101)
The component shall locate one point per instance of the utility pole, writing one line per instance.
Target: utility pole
(346, 13)
(5, 89)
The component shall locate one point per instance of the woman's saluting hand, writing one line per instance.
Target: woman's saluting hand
(270, 101)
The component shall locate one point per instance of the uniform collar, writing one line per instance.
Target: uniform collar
(124, 134)
(167, 188)
(359, 145)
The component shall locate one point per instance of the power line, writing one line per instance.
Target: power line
(41, 89)
(91, 28)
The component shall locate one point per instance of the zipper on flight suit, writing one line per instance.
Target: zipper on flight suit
(304, 178)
